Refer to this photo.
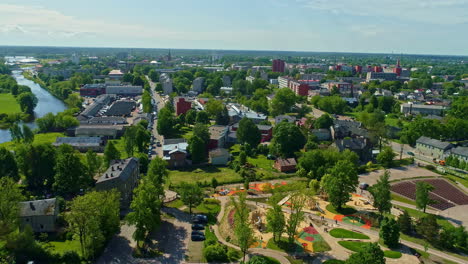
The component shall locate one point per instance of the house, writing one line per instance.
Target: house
(218, 136)
(460, 153)
(198, 84)
(124, 90)
(237, 112)
(175, 152)
(122, 175)
(265, 130)
(289, 119)
(115, 75)
(414, 109)
(219, 156)
(182, 105)
(432, 147)
(105, 131)
(105, 120)
(41, 215)
(347, 128)
(285, 165)
(94, 108)
(360, 145)
(82, 144)
(322, 134)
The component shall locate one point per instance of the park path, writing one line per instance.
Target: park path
(280, 256)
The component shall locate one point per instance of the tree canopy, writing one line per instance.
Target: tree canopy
(248, 132)
(340, 181)
(287, 139)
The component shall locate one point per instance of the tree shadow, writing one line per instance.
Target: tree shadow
(170, 241)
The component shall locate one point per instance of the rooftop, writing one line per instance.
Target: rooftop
(116, 72)
(38, 207)
(119, 169)
(78, 141)
(433, 142)
(286, 162)
(461, 151)
(219, 152)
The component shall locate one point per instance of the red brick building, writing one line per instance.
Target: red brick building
(278, 65)
(285, 165)
(182, 106)
(397, 69)
(299, 88)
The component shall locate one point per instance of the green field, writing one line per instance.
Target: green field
(392, 254)
(222, 174)
(343, 233)
(60, 247)
(402, 199)
(47, 138)
(8, 104)
(355, 246)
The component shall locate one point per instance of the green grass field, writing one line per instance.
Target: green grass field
(38, 139)
(222, 174)
(60, 247)
(402, 199)
(343, 233)
(8, 104)
(392, 254)
(344, 211)
(355, 246)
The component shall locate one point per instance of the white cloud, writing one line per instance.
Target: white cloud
(426, 11)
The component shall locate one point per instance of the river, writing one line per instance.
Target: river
(46, 103)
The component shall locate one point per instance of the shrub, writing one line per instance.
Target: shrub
(71, 257)
(233, 255)
(215, 253)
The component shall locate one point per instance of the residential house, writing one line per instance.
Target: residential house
(322, 134)
(182, 105)
(82, 144)
(347, 128)
(460, 153)
(105, 131)
(219, 156)
(415, 109)
(265, 130)
(288, 118)
(285, 165)
(175, 152)
(237, 112)
(123, 176)
(218, 136)
(360, 145)
(198, 85)
(432, 147)
(41, 215)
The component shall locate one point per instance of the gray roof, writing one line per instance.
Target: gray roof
(120, 108)
(38, 207)
(351, 143)
(434, 143)
(119, 169)
(78, 141)
(97, 130)
(460, 151)
(219, 152)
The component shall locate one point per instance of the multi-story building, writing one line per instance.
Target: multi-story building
(218, 136)
(386, 76)
(343, 87)
(415, 109)
(166, 83)
(115, 75)
(124, 90)
(283, 81)
(121, 175)
(278, 65)
(226, 81)
(299, 88)
(41, 215)
(460, 153)
(182, 105)
(198, 85)
(432, 147)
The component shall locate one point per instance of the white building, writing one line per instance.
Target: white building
(166, 83)
(198, 85)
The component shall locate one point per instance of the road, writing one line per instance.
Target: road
(159, 103)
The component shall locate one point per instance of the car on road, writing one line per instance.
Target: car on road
(197, 233)
(410, 153)
(198, 238)
(198, 227)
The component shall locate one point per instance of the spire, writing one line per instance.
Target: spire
(169, 58)
(398, 63)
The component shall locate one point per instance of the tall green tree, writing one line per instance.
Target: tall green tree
(390, 232)
(276, 221)
(324, 121)
(222, 118)
(28, 135)
(371, 253)
(405, 222)
(10, 196)
(422, 195)
(93, 163)
(248, 132)
(8, 166)
(287, 139)
(297, 203)
(191, 194)
(202, 117)
(381, 194)
(428, 228)
(385, 157)
(166, 121)
(130, 140)
(190, 116)
(201, 131)
(110, 153)
(282, 102)
(341, 180)
(242, 229)
(157, 172)
(27, 102)
(197, 150)
(70, 172)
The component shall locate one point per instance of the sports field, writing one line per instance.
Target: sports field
(8, 104)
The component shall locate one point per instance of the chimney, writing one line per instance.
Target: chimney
(31, 205)
(112, 168)
(112, 175)
(107, 176)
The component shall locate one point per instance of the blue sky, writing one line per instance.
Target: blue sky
(400, 26)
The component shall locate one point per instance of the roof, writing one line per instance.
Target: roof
(219, 152)
(287, 117)
(38, 207)
(98, 130)
(116, 72)
(78, 141)
(460, 151)
(119, 169)
(286, 162)
(178, 146)
(351, 143)
(433, 142)
(422, 106)
(120, 108)
(433, 117)
(264, 127)
(217, 131)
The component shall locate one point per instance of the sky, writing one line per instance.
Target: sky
(375, 26)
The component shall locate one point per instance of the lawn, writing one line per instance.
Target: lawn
(392, 254)
(47, 138)
(402, 199)
(418, 214)
(343, 233)
(355, 246)
(223, 175)
(175, 204)
(458, 179)
(60, 247)
(343, 211)
(120, 146)
(333, 261)
(8, 104)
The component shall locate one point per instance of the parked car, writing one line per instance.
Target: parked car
(199, 219)
(198, 238)
(158, 143)
(197, 233)
(198, 227)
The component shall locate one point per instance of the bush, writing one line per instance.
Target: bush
(430, 167)
(233, 255)
(215, 253)
(71, 257)
(262, 260)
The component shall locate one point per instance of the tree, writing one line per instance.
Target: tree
(390, 232)
(422, 195)
(381, 194)
(166, 121)
(214, 183)
(341, 180)
(405, 222)
(10, 196)
(197, 149)
(130, 140)
(370, 253)
(242, 229)
(297, 203)
(110, 153)
(385, 157)
(215, 253)
(324, 121)
(190, 116)
(282, 102)
(93, 163)
(70, 172)
(248, 132)
(191, 194)
(94, 217)
(287, 139)
(242, 158)
(28, 135)
(8, 166)
(201, 131)
(213, 107)
(27, 102)
(222, 118)
(202, 117)
(428, 228)
(275, 221)
(157, 172)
